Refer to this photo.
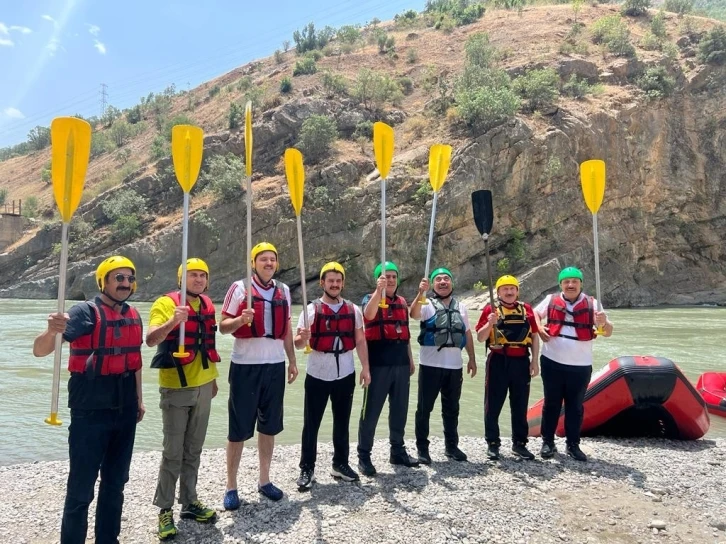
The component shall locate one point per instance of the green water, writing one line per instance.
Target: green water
(689, 336)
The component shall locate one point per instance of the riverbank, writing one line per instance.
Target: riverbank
(630, 491)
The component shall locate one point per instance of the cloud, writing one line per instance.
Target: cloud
(94, 30)
(49, 18)
(100, 46)
(53, 45)
(3, 29)
(5, 42)
(13, 113)
(21, 29)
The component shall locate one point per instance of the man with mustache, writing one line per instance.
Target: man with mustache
(509, 366)
(566, 359)
(186, 385)
(104, 396)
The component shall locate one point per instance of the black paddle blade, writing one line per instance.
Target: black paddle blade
(481, 201)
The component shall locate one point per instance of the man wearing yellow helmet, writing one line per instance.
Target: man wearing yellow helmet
(104, 396)
(336, 329)
(187, 385)
(257, 374)
(510, 366)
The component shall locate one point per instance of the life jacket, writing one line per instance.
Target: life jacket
(114, 346)
(583, 315)
(199, 335)
(445, 328)
(513, 328)
(328, 327)
(280, 314)
(389, 323)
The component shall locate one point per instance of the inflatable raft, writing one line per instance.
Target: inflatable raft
(712, 386)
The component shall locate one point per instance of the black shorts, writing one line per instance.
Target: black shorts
(255, 396)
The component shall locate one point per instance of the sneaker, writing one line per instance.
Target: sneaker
(520, 450)
(366, 467)
(576, 453)
(455, 454)
(493, 452)
(198, 512)
(404, 459)
(548, 450)
(231, 500)
(345, 473)
(271, 491)
(423, 456)
(167, 529)
(306, 479)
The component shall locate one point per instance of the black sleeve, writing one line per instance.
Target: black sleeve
(82, 322)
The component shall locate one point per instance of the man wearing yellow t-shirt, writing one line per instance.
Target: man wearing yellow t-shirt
(187, 386)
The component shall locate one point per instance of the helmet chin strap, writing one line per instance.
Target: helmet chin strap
(260, 281)
(117, 301)
(336, 299)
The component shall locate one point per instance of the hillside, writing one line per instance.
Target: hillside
(654, 114)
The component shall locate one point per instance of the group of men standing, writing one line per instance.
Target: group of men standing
(106, 402)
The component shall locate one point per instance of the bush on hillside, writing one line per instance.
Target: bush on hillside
(460, 12)
(374, 89)
(304, 66)
(681, 7)
(236, 115)
(100, 143)
(614, 34)
(540, 88)
(484, 99)
(479, 52)
(178, 119)
(635, 8)
(657, 83)
(286, 85)
(309, 39)
(223, 176)
(712, 49)
(334, 84)
(657, 24)
(317, 135)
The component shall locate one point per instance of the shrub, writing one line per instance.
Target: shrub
(123, 204)
(681, 7)
(223, 176)
(30, 207)
(214, 91)
(657, 24)
(364, 129)
(236, 115)
(286, 85)
(503, 265)
(316, 137)
(334, 84)
(576, 88)
(4, 193)
(635, 7)
(373, 89)
(405, 19)
(486, 107)
(285, 45)
(406, 84)
(39, 138)
(650, 42)
(46, 173)
(539, 87)
(100, 143)
(656, 82)
(134, 115)
(349, 34)
(278, 57)
(459, 12)
(614, 34)
(126, 227)
(479, 52)
(411, 56)
(120, 132)
(304, 66)
(480, 287)
(712, 49)
(159, 148)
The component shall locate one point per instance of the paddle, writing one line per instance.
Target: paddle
(187, 146)
(592, 178)
(481, 202)
(439, 161)
(71, 148)
(383, 149)
(248, 167)
(295, 174)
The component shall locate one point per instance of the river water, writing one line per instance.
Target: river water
(689, 336)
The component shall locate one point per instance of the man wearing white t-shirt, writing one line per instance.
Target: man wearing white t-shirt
(566, 360)
(335, 330)
(445, 331)
(257, 373)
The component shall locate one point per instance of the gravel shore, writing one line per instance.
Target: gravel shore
(636, 491)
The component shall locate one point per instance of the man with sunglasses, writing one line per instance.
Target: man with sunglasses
(104, 396)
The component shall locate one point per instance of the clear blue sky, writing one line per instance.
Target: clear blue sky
(54, 54)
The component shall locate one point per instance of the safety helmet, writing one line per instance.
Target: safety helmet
(332, 266)
(193, 263)
(506, 280)
(264, 246)
(112, 263)
(570, 272)
(441, 270)
(390, 265)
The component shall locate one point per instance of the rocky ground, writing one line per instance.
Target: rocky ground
(631, 491)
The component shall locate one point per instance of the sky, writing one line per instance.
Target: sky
(55, 54)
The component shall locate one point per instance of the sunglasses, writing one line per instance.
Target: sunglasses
(121, 277)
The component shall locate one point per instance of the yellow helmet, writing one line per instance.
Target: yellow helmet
(264, 246)
(112, 263)
(506, 280)
(332, 266)
(193, 263)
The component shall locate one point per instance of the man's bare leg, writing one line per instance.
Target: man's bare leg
(234, 456)
(265, 445)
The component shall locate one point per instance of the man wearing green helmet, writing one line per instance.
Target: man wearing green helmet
(445, 331)
(391, 364)
(566, 361)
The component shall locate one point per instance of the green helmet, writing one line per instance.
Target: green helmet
(570, 272)
(390, 265)
(441, 270)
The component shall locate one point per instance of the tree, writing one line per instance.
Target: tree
(223, 176)
(316, 137)
(39, 138)
(712, 49)
(635, 7)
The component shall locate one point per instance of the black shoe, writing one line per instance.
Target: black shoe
(520, 450)
(366, 467)
(576, 453)
(404, 459)
(455, 454)
(423, 456)
(548, 450)
(306, 479)
(493, 452)
(345, 473)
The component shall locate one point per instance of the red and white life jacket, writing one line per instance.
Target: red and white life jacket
(389, 323)
(280, 314)
(583, 315)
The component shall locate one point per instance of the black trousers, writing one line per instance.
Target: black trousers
(566, 383)
(506, 374)
(390, 382)
(317, 393)
(431, 382)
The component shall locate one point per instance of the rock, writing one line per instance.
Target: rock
(583, 69)
(657, 524)
(683, 41)
(624, 69)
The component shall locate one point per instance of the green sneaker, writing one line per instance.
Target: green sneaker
(167, 529)
(198, 512)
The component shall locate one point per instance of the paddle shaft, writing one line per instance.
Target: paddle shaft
(491, 291)
(597, 266)
(249, 243)
(302, 271)
(382, 303)
(431, 234)
(59, 337)
(183, 286)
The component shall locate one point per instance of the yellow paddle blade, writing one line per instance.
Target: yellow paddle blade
(248, 137)
(71, 148)
(383, 147)
(592, 177)
(439, 161)
(187, 146)
(295, 177)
